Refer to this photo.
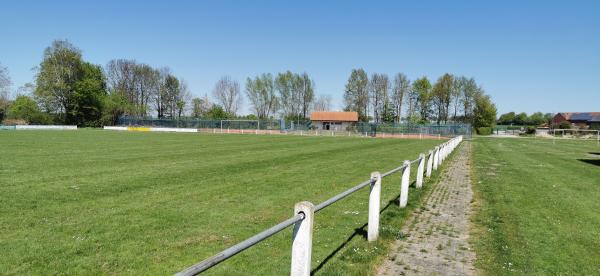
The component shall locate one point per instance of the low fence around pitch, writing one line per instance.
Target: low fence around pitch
(304, 213)
(39, 127)
(317, 132)
(151, 129)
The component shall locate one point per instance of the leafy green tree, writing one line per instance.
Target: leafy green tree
(114, 106)
(85, 105)
(484, 112)
(388, 115)
(69, 87)
(25, 108)
(59, 72)
(536, 119)
(548, 118)
(422, 87)
(356, 94)
(520, 119)
(218, 113)
(507, 118)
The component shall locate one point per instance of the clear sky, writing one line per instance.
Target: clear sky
(528, 55)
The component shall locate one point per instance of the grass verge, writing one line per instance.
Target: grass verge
(538, 206)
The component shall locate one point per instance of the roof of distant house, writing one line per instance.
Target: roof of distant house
(336, 116)
(580, 116)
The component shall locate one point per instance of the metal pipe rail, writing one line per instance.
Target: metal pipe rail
(443, 150)
(231, 251)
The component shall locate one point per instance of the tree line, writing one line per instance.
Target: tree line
(69, 90)
(522, 119)
(450, 99)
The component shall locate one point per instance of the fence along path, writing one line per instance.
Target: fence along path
(304, 213)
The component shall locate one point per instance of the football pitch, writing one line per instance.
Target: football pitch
(75, 202)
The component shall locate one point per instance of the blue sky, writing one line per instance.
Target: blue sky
(528, 55)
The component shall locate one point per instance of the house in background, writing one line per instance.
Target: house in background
(333, 120)
(582, 120)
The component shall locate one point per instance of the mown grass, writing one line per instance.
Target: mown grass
(92, 201)
(539, 207)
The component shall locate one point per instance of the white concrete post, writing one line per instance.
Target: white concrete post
(429, 163)
(374, 204)
(404, 184)
(443, 153)
(436, 155)
(420, 169)
(302, 239)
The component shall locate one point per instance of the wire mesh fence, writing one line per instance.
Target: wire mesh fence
(305, 127)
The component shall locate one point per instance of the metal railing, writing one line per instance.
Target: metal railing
(303, 220)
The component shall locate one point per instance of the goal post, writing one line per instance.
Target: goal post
(584, 134)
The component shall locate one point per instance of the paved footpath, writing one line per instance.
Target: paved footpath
(436, 236)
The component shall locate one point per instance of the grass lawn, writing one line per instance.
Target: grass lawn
(77, 202)
(539, 206)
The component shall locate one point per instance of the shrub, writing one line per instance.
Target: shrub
(530, 130)
(484, 130)
(14, 122)
(564, 125)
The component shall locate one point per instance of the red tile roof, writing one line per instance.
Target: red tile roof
(334, 116)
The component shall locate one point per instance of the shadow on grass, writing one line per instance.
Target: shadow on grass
(591, 161)
(594, 153)
(358, 231)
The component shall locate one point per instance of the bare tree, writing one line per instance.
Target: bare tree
(356, 94)
(5, 84)
(261, 93)
(284, 84)
(227, 94)
(442, 95)
(322, 103)
(200, 106)
(308, 93)
(120, 77)
(457, 93)
(378, 90)
(401, 88)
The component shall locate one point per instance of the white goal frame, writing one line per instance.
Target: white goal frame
(562, 130)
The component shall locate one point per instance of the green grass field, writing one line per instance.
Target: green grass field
(76, 202)
(539, 206)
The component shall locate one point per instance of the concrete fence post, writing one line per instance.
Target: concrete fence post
(443, 155)
(404, 184)
(436, 155)
(420, 170)
(302, 239)
(374, 205)
(429, 163)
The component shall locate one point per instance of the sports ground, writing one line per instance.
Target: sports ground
(74, 202)
(154, 203)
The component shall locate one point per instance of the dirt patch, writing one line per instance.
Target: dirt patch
(436, 237)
